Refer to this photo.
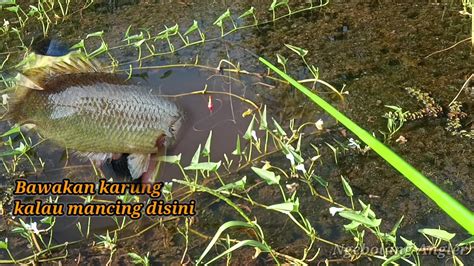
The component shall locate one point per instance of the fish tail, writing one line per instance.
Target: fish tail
(13, 102)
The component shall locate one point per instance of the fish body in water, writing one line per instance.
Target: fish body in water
(95, 113)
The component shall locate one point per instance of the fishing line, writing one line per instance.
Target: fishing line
(214, 125)
(230, 86)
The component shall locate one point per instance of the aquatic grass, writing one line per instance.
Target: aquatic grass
(109, 243)
(140, 260)
(25, 149)
(43, 12)
(395, 120)
(449, 205)
(176, 38)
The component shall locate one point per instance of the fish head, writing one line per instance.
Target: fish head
(174, 129)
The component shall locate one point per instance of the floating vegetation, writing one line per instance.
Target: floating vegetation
(430, 109)
(455, 116)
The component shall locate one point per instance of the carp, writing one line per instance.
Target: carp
(100, 115)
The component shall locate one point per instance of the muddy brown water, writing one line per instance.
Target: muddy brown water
(375, 48)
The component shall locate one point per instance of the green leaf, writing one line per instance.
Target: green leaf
(320, 180)
(260, 247)
(19, 230)
(387, 237)
(47, 220)
(195, 159)
(466, 242)
(127, 32)
(7, 2)
(162, 35)
(102, 49)
(367, 209)
(3, 245)
(298, 145)
(357, 217)
(10, 153)
(136, 259)
(409, 243)
(206, 166)
(300, 51)
(249, 12)
(219, 20)
(266, 175)
(22, 148)
(248, 133)
(315, 71)
(174, 159)
(238, 185)
(279, 129)
(353, 225)
(298, 158)
(11, 131)
(139, 43)
(437, 233)
(395, 108)
(95, 34)
(281, 59)
(79, 45)
(404, 252)
(277, 3)
(173, 30)
(219, 232)
(13, 9)
(286, 207)
(394, 230)
(207, 147)
(191, 29)
(237, 150)
(263, 119)
(347, 187)
(168, 188)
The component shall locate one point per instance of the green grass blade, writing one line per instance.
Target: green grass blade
(448, 204)
(243, 243)
(222, 228)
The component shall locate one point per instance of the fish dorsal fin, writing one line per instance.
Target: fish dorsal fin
(43, 68)
(77, 64)
(24, 81)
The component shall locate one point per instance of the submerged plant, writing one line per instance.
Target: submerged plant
(395, 120)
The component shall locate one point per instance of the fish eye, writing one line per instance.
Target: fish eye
(172, 130)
